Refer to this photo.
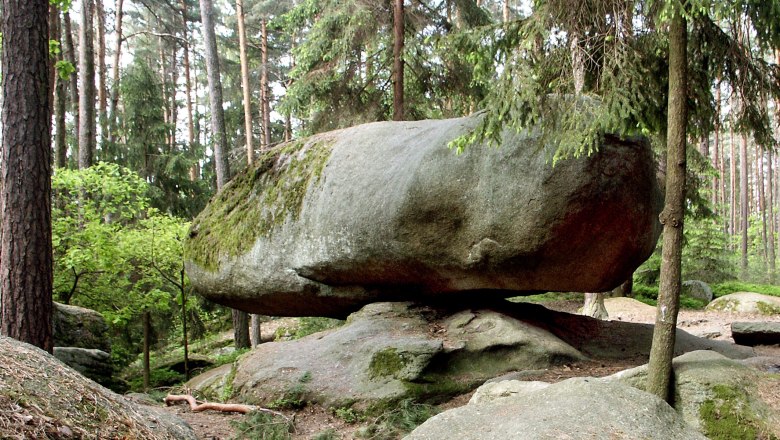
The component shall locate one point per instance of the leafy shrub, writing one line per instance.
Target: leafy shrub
(729, 287)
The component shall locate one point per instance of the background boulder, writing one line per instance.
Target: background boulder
(747, 302)
(387, 211)
(79, 327)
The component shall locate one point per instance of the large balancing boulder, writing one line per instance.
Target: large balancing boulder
(387, 211)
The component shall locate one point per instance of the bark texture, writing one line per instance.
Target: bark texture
(398, 60)
(250, 151)
(25, 228)
(218, 135)
(87, 137)
(662, 350)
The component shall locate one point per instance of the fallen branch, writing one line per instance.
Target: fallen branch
(223, 407)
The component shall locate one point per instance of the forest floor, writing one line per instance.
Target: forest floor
(313, 420)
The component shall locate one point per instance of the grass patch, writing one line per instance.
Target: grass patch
(307, 326)
(262, 425)
(295, 396)
(548, 296)
(399, 421)
(229, 358)
(728, 416)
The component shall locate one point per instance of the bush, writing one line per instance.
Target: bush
(729, 287)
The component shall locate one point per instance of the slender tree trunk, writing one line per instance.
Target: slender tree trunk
(241, 329)
(664, 334)
(70, 55)
(398, 60)
(254, 330)
(60, 103)
(185, 340)
(54, 35)
(506, 11)
(744, 203)
(733, 180)
(147, 324)
(771, 209)
(250, 151)
(87, 138)
(265, 99)
(194, 172)
(716, 154)
(102, 90)
(762, 205)
(115, 72)
(25, 170)
(219, 137)
(174, 90)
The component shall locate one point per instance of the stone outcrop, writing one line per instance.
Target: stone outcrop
(697, 289)
(710, 388)
(390, 351)
(746, 302)
(577, 408)
(756, 333)
(386, 211)
(79, 327)
(43, 398)
(92, 363)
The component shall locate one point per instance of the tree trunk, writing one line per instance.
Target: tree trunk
(254, 330)
(716, 155)
(594, 306)
(771, 208)
(188, 88)
(241, 329)
(218, 135)
(60, 104)
(115, 72)
(662, 349)
(762, 205)
(398, 60)
(102, 90)
(265, 99)
(185, 340)
(87, 137)
(70, 55)
(250, 151)
(744, 204)
(147, 325)
(732, 181)
(506, 11)
(25, 170)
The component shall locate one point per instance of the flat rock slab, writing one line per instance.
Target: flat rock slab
(578, 408)
(387, 212)
(756, 333)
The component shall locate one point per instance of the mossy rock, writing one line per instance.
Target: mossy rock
(748, 303)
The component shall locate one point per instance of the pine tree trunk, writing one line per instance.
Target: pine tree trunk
(254, 330)
(173, 103)
(762, 205)
(70, 55)
(664, 334)
(265, 99)
(115, 72)
(87, 138)
(771, 209)
(102, 90)
(716, 154)
(194, 172)
(25, 170)
(250, 151)
(398, 60)
(744, 204)
(241, 329)
(219, 137)
(60, 104)
(733, 181)
(506, 11)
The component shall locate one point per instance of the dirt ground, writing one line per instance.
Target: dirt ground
(313, 420)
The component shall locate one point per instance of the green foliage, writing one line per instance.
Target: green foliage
(259, 425)
(348, 415)
(227, 390)
(402, 419)
(158, 377)
(64, 69)
(310, 325)
(230, 357)
(729, 287)
(112, 252)
(727, 415)
(705, 254)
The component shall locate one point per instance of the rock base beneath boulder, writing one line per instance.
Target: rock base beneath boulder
(756, 333)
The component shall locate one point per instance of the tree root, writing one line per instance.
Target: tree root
(170, 399)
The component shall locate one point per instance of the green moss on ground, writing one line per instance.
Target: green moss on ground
(256, 201)
(386, 363)
(728, 416)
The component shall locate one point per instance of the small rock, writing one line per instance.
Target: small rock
(697, 289)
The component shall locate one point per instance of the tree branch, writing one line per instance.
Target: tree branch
(224, 407)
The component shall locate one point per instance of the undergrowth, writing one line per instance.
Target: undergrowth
(399, 421)
(260, 425)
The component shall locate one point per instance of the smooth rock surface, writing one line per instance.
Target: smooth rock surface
(92, 363)
(747, 302)
(386, 211)
(79, 327)
(756, 333)
(578, 408)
